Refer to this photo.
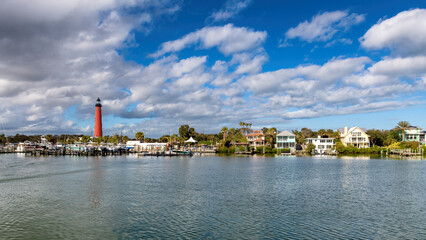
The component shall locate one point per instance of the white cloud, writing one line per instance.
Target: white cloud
(404, 34)
(390, 70)
(324, 26)
(65, 61)
(230, 9)
(228, 39)
(249, 63)
(409, 66)
(321, 110)
(187, 65)
(303, 79)
(61, 55)
(368, 80)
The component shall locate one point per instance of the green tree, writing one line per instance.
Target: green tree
(322, 132)
(140, 136)
(184, 132)
(392, 137)
(303, 134)
(310, 148)
(192, 132)
(224, 132)
(164, 138)
(270, 136)
(84, 139)
(402, 126)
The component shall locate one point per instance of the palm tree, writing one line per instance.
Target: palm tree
(402, 126)
(140, 136)
(271, 133)
(224, 131)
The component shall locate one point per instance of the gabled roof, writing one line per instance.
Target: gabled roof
(285, 133)
(342, 131)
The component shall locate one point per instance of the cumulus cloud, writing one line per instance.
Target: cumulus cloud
(303, 79)
(340, 86)
(321, 110)
(57, 56)
(404, 34)
(230, 9)
(228, 39)
(54, 66)
(324, 26)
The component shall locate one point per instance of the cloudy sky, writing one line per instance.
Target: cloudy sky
(158, 64)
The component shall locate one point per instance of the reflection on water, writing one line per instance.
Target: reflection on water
(96, 182)
(358, 157)
(211, 197)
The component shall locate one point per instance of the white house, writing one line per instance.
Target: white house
(322, 145)
(354, 136)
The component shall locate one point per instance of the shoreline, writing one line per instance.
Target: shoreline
(335, 156)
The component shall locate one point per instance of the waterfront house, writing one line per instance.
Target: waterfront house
(355, 136)
(412, 134)
(286, 139)
(322, 145)
(256, 139)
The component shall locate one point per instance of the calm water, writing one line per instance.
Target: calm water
(211, 197)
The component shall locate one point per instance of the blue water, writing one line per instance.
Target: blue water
(213, 197)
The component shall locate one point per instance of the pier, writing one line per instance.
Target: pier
(407, 152)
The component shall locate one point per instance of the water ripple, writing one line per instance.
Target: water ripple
(211, 198)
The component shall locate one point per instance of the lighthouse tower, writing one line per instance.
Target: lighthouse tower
(98, 119)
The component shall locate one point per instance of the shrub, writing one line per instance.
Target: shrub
(285, 150)
(259, 150)
(310, 148)
(222, 150)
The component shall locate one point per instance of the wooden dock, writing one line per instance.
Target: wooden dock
(407, 152)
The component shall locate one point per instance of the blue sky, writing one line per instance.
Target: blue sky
(160, 64)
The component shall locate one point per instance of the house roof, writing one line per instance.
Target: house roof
(255, 134)
(285, 133)
(342, 131)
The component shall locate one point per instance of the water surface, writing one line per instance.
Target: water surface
(212, 197)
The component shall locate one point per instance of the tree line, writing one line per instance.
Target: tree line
(226, 137)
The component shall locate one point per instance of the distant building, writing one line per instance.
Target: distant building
(256, 139)
(354, 136)
(132, 144)
(286, 139)
(137, 146)
(322, 145)
(412, 134)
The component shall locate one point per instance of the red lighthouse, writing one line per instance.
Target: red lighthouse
(98, 119)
